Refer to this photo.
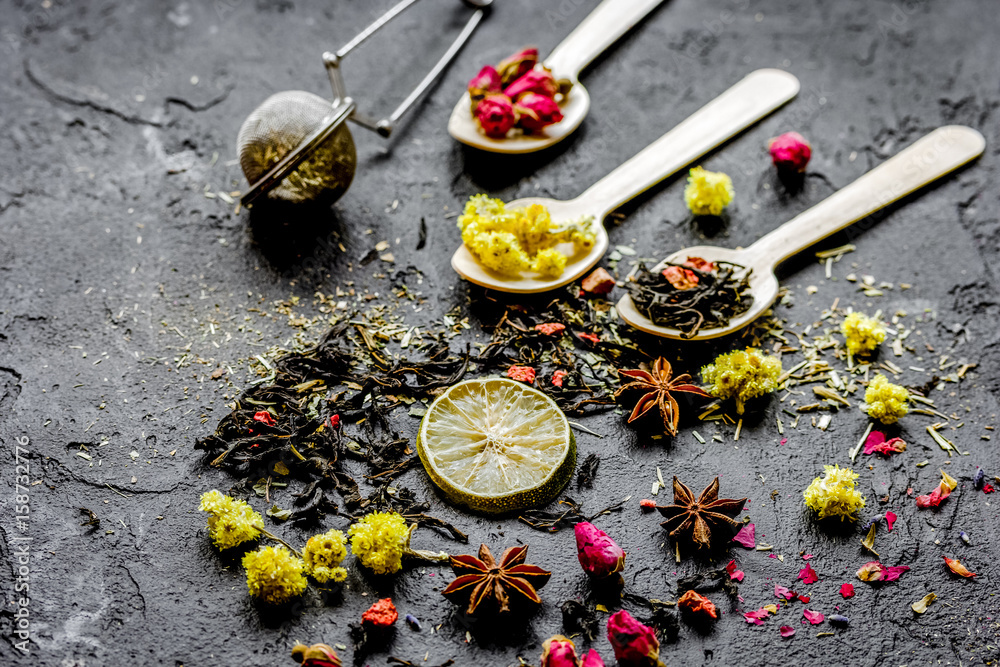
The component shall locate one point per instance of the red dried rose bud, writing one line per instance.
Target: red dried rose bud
(487, 81)
(697, 604)
(521, 373)
(647, 504)
(513, 68)
(790, 152)
(635, 644)
(317, 655)
(264, 417)
(558, 651)
(550, 328)
(538, 81)
(496, 116)
(600, 556)
(335, 421)
(680, 278)
(598, 282)
(592, 659)
(382, 614)
(535, 112)
(558, 378)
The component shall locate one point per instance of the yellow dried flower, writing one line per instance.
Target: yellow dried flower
(885, 401)
(274, 574)
(231, 522)
(862, 333)
(323, 555)
(742, 375)
(708, 192)
(513, 240)
(378, 540)
(834, 494)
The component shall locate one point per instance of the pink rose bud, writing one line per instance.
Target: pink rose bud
(513, 68)
(557, 651)
(592, 659)
(496, 116)
(790, 152)
(635, 644)
(535, 111)
(487, 81)
(536, 81)
(599, 555)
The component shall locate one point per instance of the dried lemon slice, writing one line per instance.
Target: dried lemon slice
(495, 445)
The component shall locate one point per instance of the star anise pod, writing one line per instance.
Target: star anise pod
(698, 517)
(659, 385)
(483, 580)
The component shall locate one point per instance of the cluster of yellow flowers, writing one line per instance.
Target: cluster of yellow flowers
(379, 540)
(274, 574)
(862, 333)
(323, 555)
(742, 375)
(708, 192)
(513, 240)
(885, 401)
(231, 522)
(834, 494)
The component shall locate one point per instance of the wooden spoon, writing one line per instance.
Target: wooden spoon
(757, 95)
(926, 160)
(601, 29)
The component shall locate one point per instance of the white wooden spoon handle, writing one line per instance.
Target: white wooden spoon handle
(601, 29)
(927, 159)
(757, 95)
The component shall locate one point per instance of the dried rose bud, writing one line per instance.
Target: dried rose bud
(592, 659)
(535, 112)
(496, 116)
(635, 644)
(600, 556)
(538, 81)
(521, 373)
(487, 81)
(382, 614)
(557, 651)
(317, 655)
(598, 282)
(790, 152)
(680, 278)
(334, 421)
(513, 68)
(696, 604)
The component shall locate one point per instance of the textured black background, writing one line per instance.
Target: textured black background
(106, 139)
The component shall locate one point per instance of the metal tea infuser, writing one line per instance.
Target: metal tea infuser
(296, 146)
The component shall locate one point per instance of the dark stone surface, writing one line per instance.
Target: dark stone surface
(122, 287)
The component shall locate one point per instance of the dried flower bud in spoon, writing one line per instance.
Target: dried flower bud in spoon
(514, 67)
(496, 115)
(535, 112)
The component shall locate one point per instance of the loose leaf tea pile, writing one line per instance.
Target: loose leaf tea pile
(691, 299)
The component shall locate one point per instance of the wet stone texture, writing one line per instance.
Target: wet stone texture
(127, 280)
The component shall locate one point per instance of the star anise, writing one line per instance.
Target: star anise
(482, 580)
(699, 516)
(659, 385)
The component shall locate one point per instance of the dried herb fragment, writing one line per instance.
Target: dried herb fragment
(659, 386)
(482, 580)
(697, 517)
(689, 298)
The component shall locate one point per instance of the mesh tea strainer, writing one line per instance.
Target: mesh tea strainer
(296, 146)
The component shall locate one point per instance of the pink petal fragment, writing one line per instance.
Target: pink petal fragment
(807, 556)
(787, 631)
(784, 593)
(890, 518)
(804, 598)
(893, 573)
(746, 536)
(756, 617)
(847, 590)
(733, 572)
(813, 617)
(808, 575)
(874, 439)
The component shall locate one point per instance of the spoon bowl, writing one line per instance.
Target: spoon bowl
(463, 127)
(927, 159)
(757, 95)
(602, 28)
